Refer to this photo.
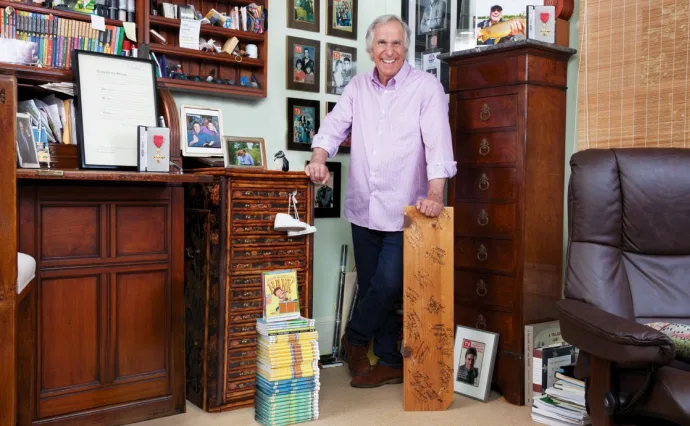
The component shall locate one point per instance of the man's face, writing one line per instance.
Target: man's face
(388, 50)
(197, 128)
(306, 54)
(280, 293)
(469, 361)
(496, 15)
(348, 65)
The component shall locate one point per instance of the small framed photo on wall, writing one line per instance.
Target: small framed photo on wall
(474, 357)
(201, 131)
(341, 66)
(345, 146)
(304, 15)
(244, 152)
(303, 123)
(342, 19)
(303, 69)
(327, 195)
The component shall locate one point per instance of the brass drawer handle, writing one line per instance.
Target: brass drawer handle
(483, 182)
(482, 290)
(485, 113)
(484, 147)
(483, 218)
(481, 322)
(482, 254)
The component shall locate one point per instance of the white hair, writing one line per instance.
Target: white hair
(383, 20)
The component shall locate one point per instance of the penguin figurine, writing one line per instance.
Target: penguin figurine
(280, 162)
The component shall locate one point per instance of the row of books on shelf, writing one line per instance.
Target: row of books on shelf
(54, 38)
(557, 398)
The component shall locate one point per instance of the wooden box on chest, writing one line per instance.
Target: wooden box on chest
(229, 242)
(508, 109)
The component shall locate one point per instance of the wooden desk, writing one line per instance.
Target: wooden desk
(109, 333)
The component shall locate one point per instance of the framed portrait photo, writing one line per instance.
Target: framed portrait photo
(27, 153)
(244, 152)
(345, 146)
(432, 16)
(200, 135)
(304, 15)
(341, 66)
(303, 123)
(474, 357)
(303, 69)
(342, 19)
(327, 196)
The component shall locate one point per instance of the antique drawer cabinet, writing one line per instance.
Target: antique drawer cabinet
(507, 107)
(229, 241)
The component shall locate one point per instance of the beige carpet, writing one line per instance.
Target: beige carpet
(341, 404)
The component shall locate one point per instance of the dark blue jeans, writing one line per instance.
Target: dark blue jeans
(379, 261)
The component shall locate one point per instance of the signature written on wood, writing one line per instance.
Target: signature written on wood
(411, 295)
(446, 373)
(414, 235)
(413, 324)
(421, 352)
(436, 254)
(434, 306)
(422, 278)
(442, 219)
(422, 387)
(444, 339)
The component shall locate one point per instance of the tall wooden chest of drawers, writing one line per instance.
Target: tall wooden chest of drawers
(508, 109)
(229, 242)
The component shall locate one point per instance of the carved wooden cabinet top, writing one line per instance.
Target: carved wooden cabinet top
(108, 176)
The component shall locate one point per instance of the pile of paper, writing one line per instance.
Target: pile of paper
(563, 404)
(287, 378)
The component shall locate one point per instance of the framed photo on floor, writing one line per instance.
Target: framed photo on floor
(201, 131)
(341, 67)
(304, 15)
(474, 357)
(342, 18)
(327, 196)
(345, 146)
(303, 123)
(303, 69)
(244, 152)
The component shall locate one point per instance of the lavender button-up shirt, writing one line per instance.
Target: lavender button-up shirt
(400, 140)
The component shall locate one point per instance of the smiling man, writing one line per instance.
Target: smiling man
(401, 154)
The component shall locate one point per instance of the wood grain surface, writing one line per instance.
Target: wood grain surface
(428, 331)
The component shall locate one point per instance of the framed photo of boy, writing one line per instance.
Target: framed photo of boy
(327, 196)
(201, 131)
(303, 123)
(244, 152)
(345, 145)
(304, 15)
(342, 19)
(474, 357)
(303, 69)
(341, 66)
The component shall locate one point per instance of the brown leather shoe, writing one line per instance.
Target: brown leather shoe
(378, 376)
(357, 358)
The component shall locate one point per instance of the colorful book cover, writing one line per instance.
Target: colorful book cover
(280, 295)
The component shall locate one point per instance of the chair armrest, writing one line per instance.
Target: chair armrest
(611, 337)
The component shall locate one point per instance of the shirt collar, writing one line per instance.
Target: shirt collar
(397, 80)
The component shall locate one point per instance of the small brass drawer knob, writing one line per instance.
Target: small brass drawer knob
(483, 182)
(484, 148)
(485, 113)
(483, 218)
(481, 322)
(482, 289)
(482, 253)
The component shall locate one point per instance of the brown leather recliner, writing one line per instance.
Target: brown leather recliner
(628, 264)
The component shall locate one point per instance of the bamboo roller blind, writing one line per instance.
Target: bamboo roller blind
(633, 75)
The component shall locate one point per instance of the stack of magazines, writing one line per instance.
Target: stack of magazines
(287, 378)
(563, 403)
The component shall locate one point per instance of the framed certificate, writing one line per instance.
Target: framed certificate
(114, 95)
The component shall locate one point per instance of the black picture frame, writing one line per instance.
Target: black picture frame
(294, 21)
(303, 120)
(331, 30)
(330, 191)
(344, 147)
(305, 45)
(108, 60)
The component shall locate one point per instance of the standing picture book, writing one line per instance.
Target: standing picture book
(280, 295)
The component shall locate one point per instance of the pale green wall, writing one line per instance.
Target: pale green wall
(266, 118)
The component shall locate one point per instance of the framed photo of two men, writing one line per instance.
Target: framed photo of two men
(303, 64)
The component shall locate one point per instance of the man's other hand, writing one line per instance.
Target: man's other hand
(516, 27)
(317, 171)
(431, 206)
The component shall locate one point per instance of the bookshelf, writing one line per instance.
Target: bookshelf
(193, 62)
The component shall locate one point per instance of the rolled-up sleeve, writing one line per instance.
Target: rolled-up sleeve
(336, 124)
(436, 135)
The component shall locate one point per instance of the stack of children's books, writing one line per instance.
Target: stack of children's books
(287, 378)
